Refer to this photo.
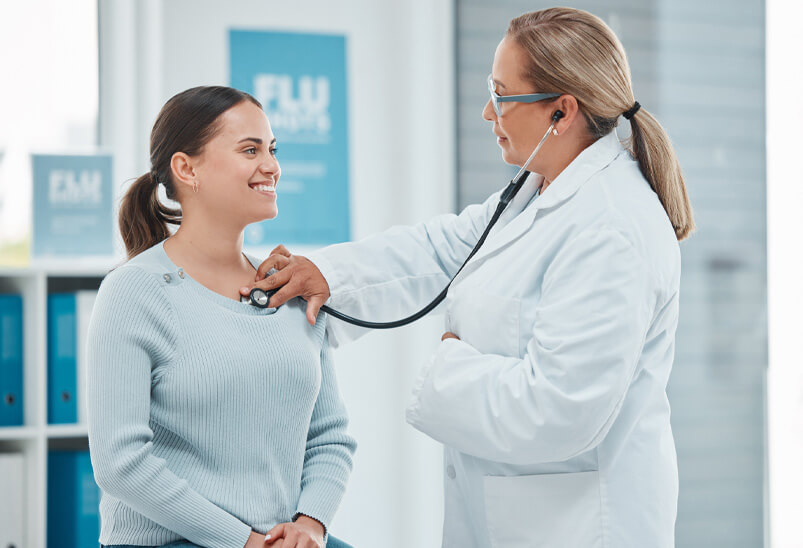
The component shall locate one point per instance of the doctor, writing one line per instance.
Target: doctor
(548, 389)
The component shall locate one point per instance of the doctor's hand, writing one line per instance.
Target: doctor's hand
(449, 335)
(297, 276)
(305, 532)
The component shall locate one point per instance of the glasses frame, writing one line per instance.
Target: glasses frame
(496, 99)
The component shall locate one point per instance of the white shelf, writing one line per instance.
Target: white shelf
(78, 269)
(66, 431)
(36, 437)
(17, 433)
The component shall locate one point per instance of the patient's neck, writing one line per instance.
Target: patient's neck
(208, 245)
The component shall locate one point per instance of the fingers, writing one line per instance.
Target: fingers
(274, 261)
(313, 307)
(280, 250)
(271, 282)
(287, 535)
(283, 295)
(275, 534)
(291, 537)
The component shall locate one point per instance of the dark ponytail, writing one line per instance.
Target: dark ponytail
(185, 124)
(143, 217)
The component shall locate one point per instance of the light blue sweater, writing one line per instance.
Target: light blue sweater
(208, 417)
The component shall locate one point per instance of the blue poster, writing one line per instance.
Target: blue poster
(72, 206)
(300, 79)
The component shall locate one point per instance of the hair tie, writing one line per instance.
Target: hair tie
(630, 113)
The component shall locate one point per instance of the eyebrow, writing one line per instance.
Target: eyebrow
(256, 140)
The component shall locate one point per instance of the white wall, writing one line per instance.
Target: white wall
(785, 271)
(401, 137)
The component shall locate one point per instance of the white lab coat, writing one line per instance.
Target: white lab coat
(552, 405)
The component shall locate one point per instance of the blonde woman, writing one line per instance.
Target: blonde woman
(548, 389)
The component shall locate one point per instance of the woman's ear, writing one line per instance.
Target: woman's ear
(567, 104)
(183, 170)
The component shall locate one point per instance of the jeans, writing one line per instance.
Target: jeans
(331, 543)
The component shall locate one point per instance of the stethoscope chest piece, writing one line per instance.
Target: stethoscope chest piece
(258, 297)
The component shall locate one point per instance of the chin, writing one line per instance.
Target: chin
(269, 213)
(264, 214)
(510, 158)
(274, 211)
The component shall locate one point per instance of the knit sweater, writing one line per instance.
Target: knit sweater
(208, 417)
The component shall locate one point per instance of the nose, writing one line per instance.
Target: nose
(270, 167)
(488, 112)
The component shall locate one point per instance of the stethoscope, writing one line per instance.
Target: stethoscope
(260, 298)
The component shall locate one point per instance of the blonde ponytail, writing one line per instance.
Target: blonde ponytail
(574, 52)
(651, 147)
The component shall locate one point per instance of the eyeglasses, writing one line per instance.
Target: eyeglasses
(528, 98)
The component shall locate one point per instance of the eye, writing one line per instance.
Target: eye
(274, 151)
(251, 150)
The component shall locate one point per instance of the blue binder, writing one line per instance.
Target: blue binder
(73, 499)
(11, 361)
(61, 359)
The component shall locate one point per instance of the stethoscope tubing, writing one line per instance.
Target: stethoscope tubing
(506, 197)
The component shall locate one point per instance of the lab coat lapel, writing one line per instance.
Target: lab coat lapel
(514, 223)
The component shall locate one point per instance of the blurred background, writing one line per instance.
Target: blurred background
(87, 78)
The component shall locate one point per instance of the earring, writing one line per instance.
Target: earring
(195, 186)
(554, 131)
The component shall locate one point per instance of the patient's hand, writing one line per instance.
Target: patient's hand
(305, 532)
(255, 540)
(297, 276)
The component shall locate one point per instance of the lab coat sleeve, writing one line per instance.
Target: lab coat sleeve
(562, 397)
(129, 332)
(393, 274)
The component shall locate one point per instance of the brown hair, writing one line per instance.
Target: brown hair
(185, 124)
(574, 52)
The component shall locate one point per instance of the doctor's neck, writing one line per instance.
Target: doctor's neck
(560, 158)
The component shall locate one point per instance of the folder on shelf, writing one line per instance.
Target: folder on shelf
(73, 500)
(68, 323)
(11, 361)
(61, 359)
(12, 501)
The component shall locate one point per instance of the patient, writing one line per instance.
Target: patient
(211, 421)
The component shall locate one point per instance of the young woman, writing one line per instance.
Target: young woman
(211, 421)
(548, 389)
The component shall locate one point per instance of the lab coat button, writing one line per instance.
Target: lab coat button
(167, 278)
(451, 472)
(181, 273)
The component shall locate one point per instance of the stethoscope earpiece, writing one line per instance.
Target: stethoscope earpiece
(557, 115)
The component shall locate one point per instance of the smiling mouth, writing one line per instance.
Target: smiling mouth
(264, 188)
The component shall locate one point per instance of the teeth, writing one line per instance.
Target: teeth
(264, 188)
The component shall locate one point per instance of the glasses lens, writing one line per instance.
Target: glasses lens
(494, 96)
